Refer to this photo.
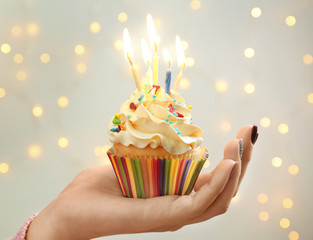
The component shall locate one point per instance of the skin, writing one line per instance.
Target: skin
(92, 205)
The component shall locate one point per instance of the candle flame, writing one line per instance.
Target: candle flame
(154, 38)
(167, 56)
(127, 46)
(180, 53)
(145, 52)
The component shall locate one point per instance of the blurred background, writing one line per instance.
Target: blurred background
(63, 75)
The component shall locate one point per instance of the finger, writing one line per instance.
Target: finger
(221, 203)
(249, 135)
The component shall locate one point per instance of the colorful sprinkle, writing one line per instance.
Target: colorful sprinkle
(176, 129)
(175, 108)
(174, 100)
(154, 96)
(116, 120)
(180, 115)
(117, 115)
(141, 97)
(170, 107)
(132, 106)
(189, 107)
(178, 132)
(178, 102)
(129, 116)
(166, 120)
(114, 129)
(171, 122)
(169, 115)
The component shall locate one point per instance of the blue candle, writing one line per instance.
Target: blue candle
(168, 79)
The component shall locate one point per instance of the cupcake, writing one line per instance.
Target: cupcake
(156, 149)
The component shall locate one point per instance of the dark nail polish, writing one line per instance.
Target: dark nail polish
(240, 147)
(254, 134)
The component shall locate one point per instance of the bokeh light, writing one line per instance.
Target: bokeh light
(157, 22)
(277, 162)
(249, 88)
(2, 92)
(34, 151)
(44, 58)
(190, 61)
(5, 48)
(310, 98)
(283, 128)
(256, 12)
(122, 17)
(307, 59)
(221, 86)
(81, 67)
(101, 150)
(32, 29)
(4, 168)
(119, 44)
(195, 4)
(290, 21)
(185, 45)
(21, 75)
(225, 126)
(293, 169)
(284, 223)
(94, 27)
(287, 203)
(16, 30)
(264, 216)
(18, 58)
(184, 83)
(262, 198)
(293, 235)
(265, 122)
(249, 52)
(63, 142)
(37, 111)
(79, 49)
(63, 101)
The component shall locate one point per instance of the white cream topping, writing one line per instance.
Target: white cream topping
(153, 123)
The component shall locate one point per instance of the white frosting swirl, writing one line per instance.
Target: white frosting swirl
(152, 122)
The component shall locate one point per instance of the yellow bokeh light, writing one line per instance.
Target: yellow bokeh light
(225, 126)
(284, 223)
(195, 4)
(206, 164)
(190, 61)
(264, 216)
(184, 83)
(249, 52)
(34, 151)
(94, 27)
(37, 111)
(105, 161)
(119, 44)
(293, 235)
(185, 45)
(262, 198)
(310, 98)
(4, 168)
(79, 49)
(5, 48)
(63, 101)
(277, 162)
(81, 67)
(44, 58)
(221, 86)
(256, 12)
(293, 169)
(157, 22)
(32, 29)
(16, 30)
(265, 122)
(18, 58)
(63, 142)
(290, 21)
(2, 92)
(101, 150)
(287, 203)
(122, 17)
(249, 88)
(21, 75)
(308, 59)
(283, 128)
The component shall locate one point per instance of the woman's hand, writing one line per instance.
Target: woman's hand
(93, 205)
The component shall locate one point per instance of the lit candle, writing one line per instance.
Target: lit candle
(168, 59)
(181, 61)
(147, 58)
(129, 55)
(154, 39)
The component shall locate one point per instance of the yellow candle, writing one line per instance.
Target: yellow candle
(155, 69)
(181, 61)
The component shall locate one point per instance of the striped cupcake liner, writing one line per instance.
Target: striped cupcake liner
(145, 178)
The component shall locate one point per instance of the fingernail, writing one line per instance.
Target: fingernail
(254, 134)
(240, 147)
(233, 170)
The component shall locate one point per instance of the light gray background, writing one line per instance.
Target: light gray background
(217, 34)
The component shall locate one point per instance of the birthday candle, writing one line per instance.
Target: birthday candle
(181, 61)
(129, 55)
(168, 77)
(147, 58)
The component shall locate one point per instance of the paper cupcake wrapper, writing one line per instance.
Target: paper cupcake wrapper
(144, 178)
